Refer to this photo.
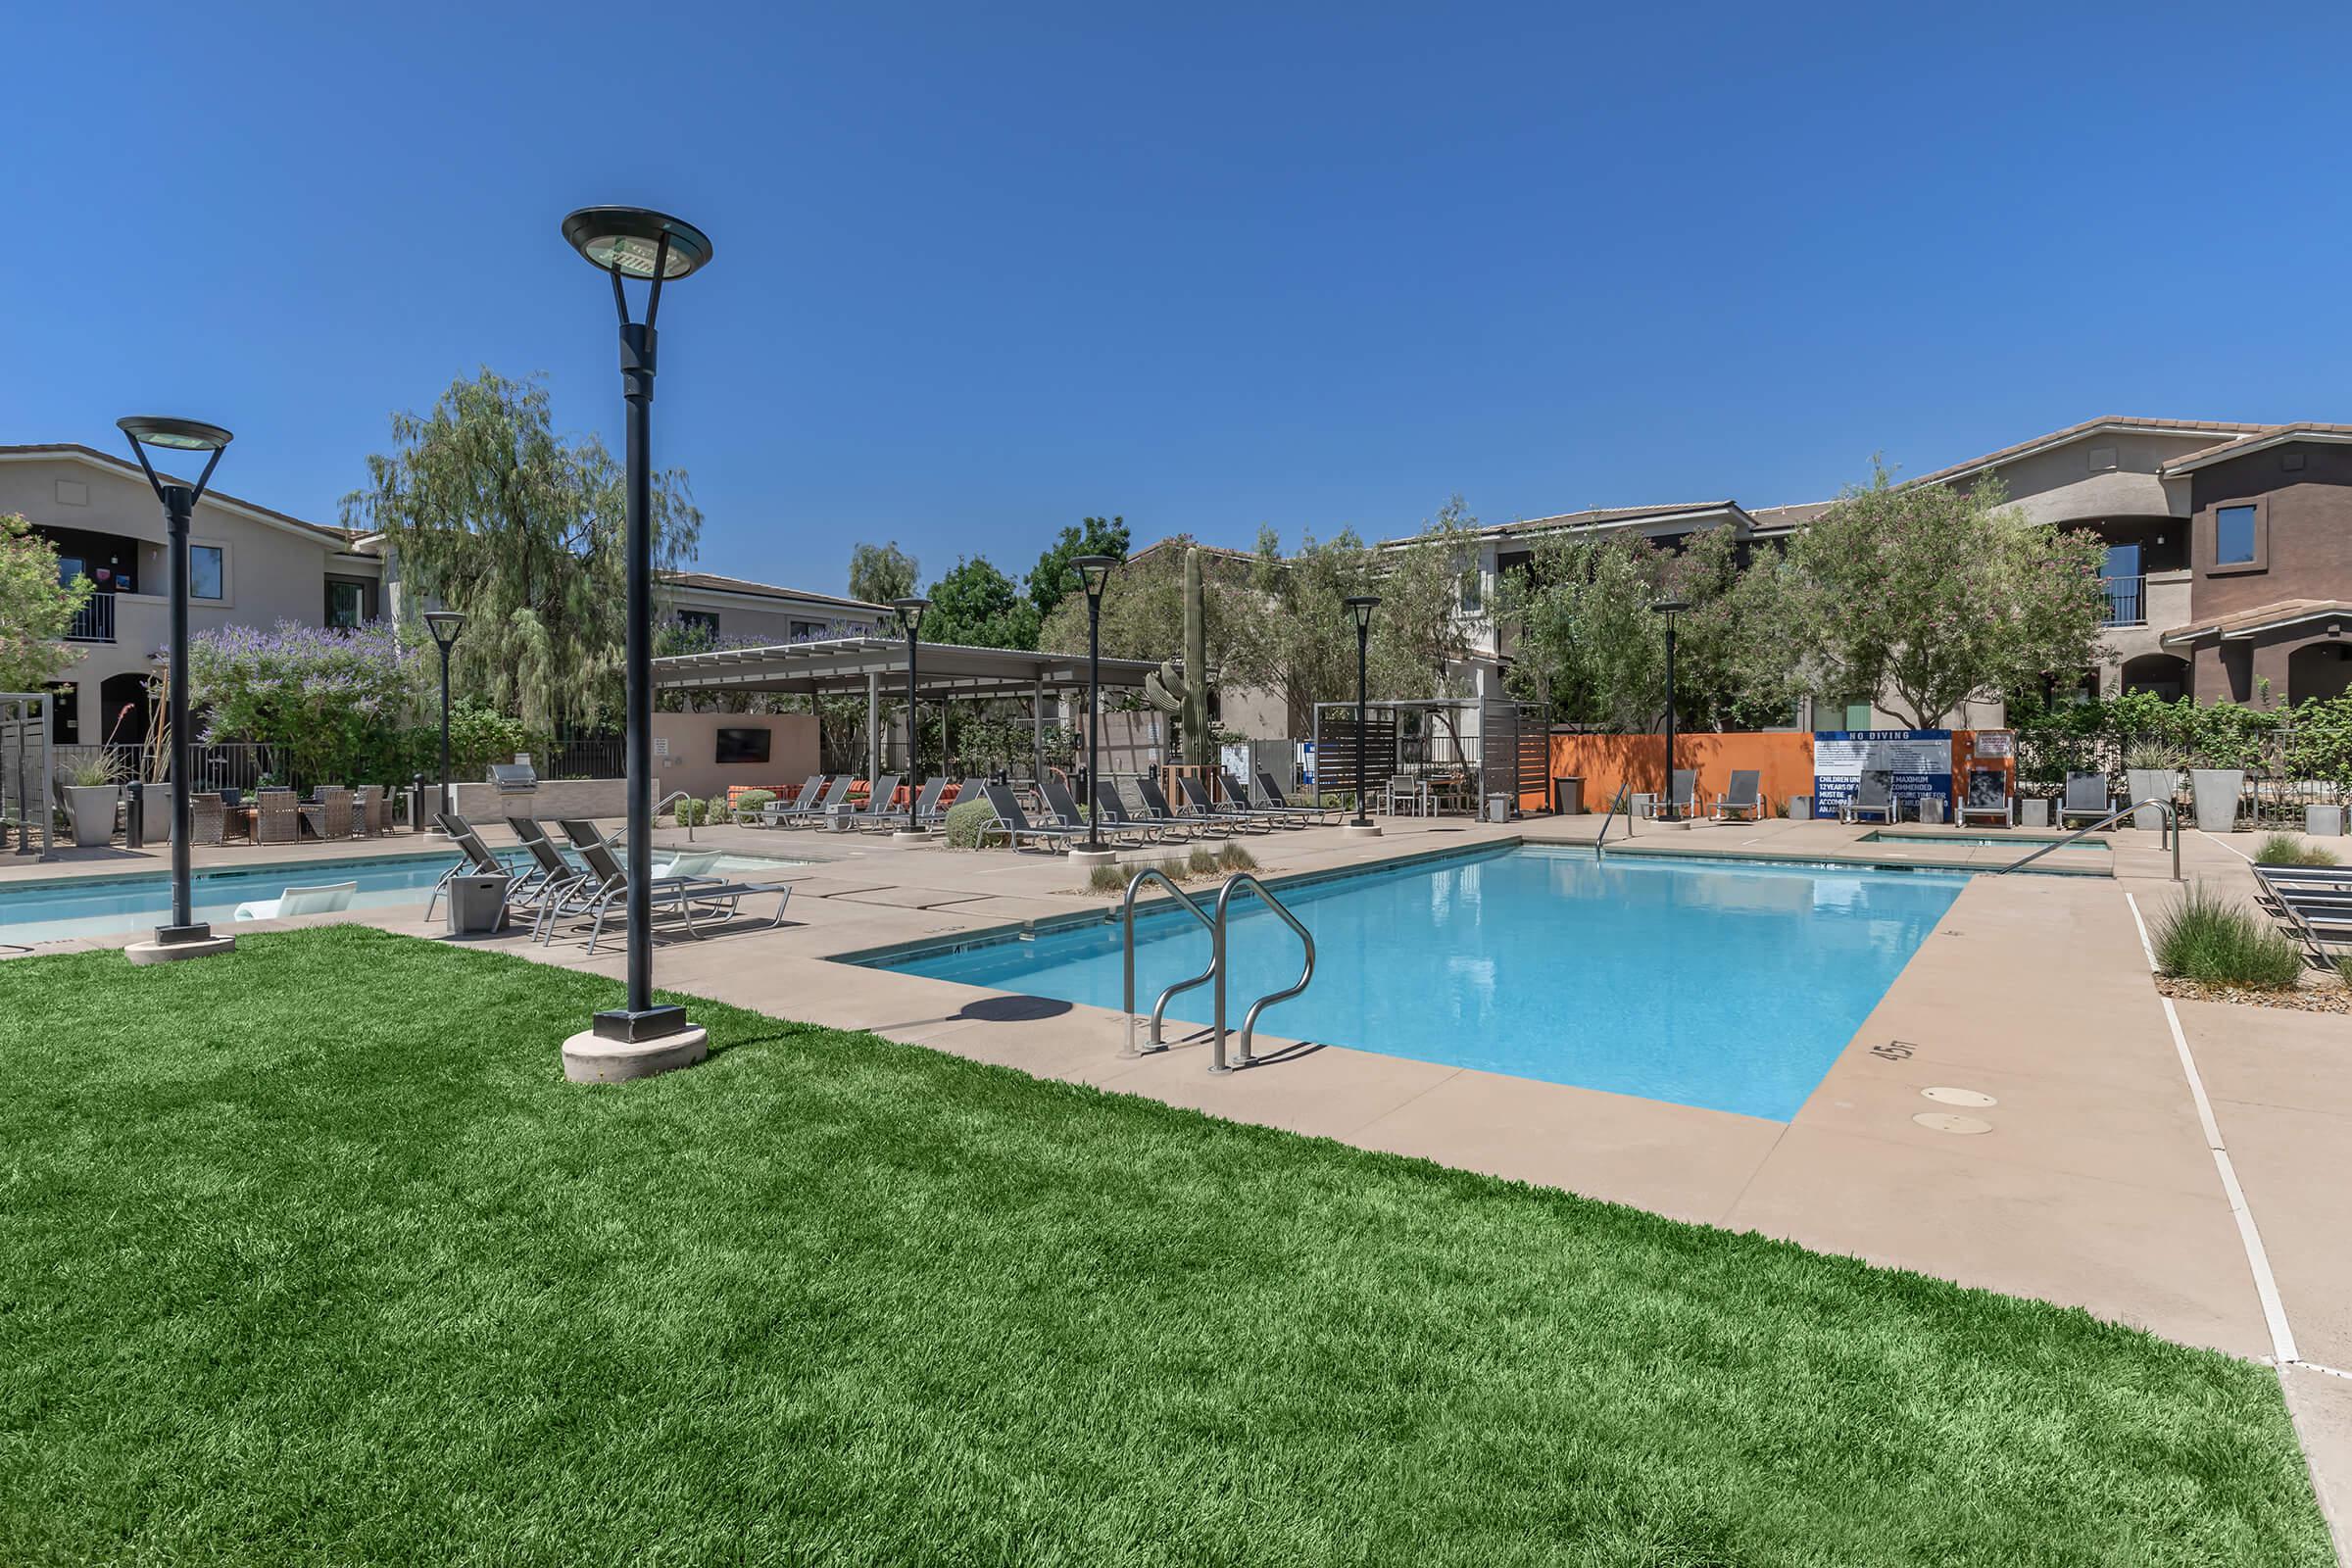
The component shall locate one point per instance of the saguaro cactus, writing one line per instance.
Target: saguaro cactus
(1186, 696)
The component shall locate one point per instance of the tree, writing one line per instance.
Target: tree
(977, 604)
(485, 509)
(338, 706)
(1922, 596)
(1143, 609)
(36, 607)
(880, 574)
(1429, 613)
(1588, 639)
(1298, 641)
(1051, 579)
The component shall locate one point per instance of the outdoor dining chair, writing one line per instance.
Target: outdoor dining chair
(1743, 796)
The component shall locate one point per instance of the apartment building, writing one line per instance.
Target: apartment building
(252, 565)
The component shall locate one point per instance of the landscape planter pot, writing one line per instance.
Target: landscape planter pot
(91, 809)
(2034, 812)
(155, 812)
(2216, 791)
(2151, 784)
(2323, 821)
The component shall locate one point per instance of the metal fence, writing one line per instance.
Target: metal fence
(587, 754)
(217, 766)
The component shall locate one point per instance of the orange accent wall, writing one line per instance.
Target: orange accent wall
(1784, 758)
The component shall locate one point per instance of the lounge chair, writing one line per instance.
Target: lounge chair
(2317, 911)
(878, 812)
(1685, 785)
(812, 809)
(324, 899)
(1157, 810)
(477, 860)
(1117, 818)
(1874, 796)
(1013, 822)
(1237, 794)
(1989, 798)
(1065, 806)
(1280, 801)
(1743, 796)
(2086, 795)
(603, 892)
(783, 805)
(1202, 808)
(550, 870)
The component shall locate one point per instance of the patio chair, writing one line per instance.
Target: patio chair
(276, 818)
(603, 892)
(325, 899)
(1013, 822)
(1276, 799)
(1237, 794)
(1989, 798)
(1202, 808)
(367, 811)
(1685, 785)
(1743, 796)
(328, 813)
(927, 810)
(207, 820)
(1157, 809)
(2086, 795)
(1874, 796)
(817, 806)
(1117, 818)
(1065, 806)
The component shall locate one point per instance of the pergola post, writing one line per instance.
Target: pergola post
(1037, 729)
(874, 725)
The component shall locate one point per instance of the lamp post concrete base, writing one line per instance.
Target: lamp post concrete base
(1088, 859)
(1360, 830)
(591, 1058)
(911, 835)
(175, 952)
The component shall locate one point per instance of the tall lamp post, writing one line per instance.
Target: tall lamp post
(911, 616)
(1362, 605)
(1094, 572)
(1669, 608)
(185, 936)
(444, 624)
(639, 1038)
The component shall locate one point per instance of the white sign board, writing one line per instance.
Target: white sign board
(1917, 763)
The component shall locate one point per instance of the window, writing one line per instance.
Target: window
(703, 619)
(346, 604)
(1473, 586)
(205, 571)
(806, 629)
(2233, 536)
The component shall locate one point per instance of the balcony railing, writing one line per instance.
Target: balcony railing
(2126, 602)
(94, 621)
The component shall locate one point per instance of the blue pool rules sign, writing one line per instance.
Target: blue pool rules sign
(1918, 763)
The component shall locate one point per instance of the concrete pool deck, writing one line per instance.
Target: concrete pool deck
(2094, 1182)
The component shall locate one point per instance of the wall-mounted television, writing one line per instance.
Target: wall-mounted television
(742, 745)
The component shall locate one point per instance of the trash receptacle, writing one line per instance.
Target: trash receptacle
(1930, 809)
(478, 904)
(1499, 807)
(1568, 794)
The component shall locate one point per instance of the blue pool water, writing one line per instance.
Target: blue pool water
(90, 907)
(1727, 985)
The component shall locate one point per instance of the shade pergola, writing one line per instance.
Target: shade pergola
(844, 666)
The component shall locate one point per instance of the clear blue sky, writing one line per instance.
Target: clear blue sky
(982, 270)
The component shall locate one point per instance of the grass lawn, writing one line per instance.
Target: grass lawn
(309, 1254)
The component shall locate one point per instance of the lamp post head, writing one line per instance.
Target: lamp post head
(1361, 607)
(637, 241)
(180, 435)
(445, 624)
(1094, 572)
(911, 613)
(1669, 606)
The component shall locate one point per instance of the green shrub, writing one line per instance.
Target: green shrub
(2204, 936)
(965, 819)
(1201, 862)
(2288, 848)
(749, 803)
(1336, 799)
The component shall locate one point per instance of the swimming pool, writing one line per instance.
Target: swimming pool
(110, 905)
(1729, 985)
(2013, 840)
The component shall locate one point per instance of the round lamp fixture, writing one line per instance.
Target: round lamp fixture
(911, 613)
(637, 241)
(1094, 572)
(181, 435)
(1670, 606)
(445, 624)
(1363, 605)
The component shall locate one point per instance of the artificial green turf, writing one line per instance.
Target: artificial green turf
(309, 1254)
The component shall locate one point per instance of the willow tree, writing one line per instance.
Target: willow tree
(485, 509)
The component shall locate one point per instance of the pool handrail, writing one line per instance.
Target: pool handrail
(1600, 844)
(2170, 831)
(1232, 885)
(1152, 873)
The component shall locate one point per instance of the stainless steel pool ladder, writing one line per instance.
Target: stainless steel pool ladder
(2170, 831)
(1621, 798)
(1217, 969)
